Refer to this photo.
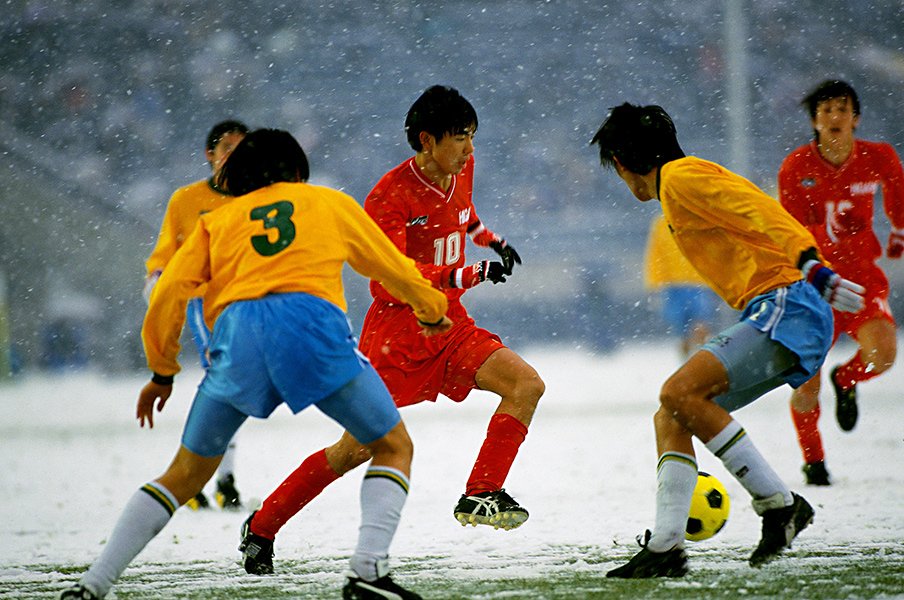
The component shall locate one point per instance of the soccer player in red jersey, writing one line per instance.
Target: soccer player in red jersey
(424, 205)
(829, 185)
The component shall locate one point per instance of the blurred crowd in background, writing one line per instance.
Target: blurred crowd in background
(104, 107)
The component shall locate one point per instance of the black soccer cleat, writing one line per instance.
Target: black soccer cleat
(381, 589)
(199, 502)
(497, 509)
(780, 526)
(816, 473)
(257, 551)
(227, 495)
(78, 592)
(845, 403)
(646, 563)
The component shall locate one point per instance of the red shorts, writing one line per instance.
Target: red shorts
(870, 276)
(417, 368)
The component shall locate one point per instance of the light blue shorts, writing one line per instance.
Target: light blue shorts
(292, 348)
(783, 337)
(684, 305)
(194, 318)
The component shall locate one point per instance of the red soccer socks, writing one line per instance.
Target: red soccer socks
(805, 423)
(303, 485)
(505, 434)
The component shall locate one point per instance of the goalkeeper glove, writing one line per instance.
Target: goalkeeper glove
(842, 294)
(509, 255)
(468, 277)
(895, 243)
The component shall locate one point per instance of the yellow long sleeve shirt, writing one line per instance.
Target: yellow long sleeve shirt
(286, 237)
(183, 210)
(740, 240)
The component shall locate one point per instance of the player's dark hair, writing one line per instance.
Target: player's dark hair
(440, 111)
(221, 129)
(641, 137)
(827, 90)
(263, 157)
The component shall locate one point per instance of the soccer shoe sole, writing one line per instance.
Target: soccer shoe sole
(506, 520)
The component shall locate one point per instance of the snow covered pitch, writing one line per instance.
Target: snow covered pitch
(71, 453)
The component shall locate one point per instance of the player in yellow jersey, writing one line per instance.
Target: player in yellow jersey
(272, 261)
(687, 305)
(185, 207)
(761, 261)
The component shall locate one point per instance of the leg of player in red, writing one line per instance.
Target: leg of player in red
(875, 332)
(805, 414)
(877, 340)
(484, 501)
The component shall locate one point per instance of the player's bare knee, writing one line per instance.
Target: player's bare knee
(531, 389)
(665, 422)
(396, 442)
(672, 397)
(885, 359)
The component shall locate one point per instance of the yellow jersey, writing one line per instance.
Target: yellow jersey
(740, 240)
(286, 237)
(185, 207)
(664, 265)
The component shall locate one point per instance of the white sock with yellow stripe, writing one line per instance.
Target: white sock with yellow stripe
(383, 494)
(742, 459)
(676, 477)
(145, 514)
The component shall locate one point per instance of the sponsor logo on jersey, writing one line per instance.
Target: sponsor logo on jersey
(808, 182)
(422, 220)
(463, 216)
(864, 187)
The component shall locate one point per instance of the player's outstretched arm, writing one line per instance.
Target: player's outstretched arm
(468, 277)
(438, 328)
(155, 391)
(843, 295)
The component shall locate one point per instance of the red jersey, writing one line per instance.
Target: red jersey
(836, 202)
(425, 222)
(428, 225)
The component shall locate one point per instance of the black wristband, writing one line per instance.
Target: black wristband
(426, 324)
(806, 256)
(162, 379)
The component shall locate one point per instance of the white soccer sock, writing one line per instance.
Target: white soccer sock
(736, 450)
(676, 478)
(145, 514)
(383, 494)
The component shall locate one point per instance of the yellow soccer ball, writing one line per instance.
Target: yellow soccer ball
(709, 508)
